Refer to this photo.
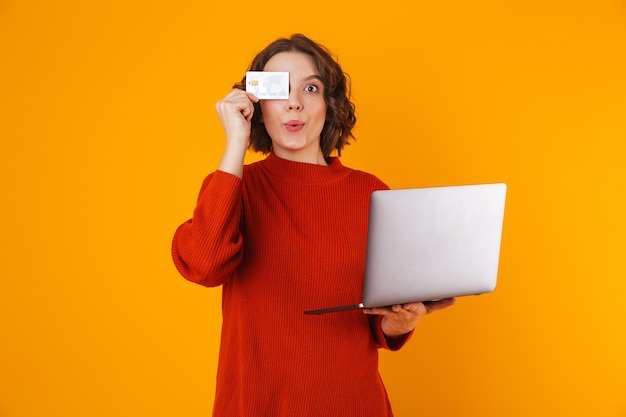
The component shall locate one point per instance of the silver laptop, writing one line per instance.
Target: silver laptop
(427, 244)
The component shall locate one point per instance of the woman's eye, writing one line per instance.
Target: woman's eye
(311, 88)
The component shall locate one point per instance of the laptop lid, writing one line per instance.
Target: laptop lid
(431, 243)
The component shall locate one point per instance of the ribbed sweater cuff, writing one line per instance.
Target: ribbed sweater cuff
(392, 344)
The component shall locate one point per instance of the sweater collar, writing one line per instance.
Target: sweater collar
(304, 173)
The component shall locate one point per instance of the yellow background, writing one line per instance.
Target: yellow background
(108, 127)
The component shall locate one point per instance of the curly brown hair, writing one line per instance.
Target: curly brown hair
(340, 115)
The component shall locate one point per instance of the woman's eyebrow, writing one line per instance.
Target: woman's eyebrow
(312, 77)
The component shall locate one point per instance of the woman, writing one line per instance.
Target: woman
(288, 234)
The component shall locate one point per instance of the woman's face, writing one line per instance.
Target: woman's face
(295, 124)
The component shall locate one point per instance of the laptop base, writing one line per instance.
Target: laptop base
(335, 309)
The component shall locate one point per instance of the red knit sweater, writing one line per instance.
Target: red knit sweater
(286, 238)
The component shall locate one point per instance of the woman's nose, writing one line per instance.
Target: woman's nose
(293, 103)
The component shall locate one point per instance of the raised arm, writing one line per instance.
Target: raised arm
(235, 112)
(207, 248)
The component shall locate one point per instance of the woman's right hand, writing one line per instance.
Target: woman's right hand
(235, 112)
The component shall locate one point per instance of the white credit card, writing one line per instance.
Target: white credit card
(268, 85)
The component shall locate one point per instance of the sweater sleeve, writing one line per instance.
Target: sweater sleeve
(207, 248)
(381, 340)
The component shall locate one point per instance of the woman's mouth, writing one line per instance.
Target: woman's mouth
(294, 125)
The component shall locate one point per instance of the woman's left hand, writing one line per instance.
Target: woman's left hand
(402, 319)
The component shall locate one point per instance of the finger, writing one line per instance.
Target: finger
(253, 98)
(237, 94)
(381, 311)
(247, 112)
(392, 311)
(432, 306)
(416, 308)
(236, 103)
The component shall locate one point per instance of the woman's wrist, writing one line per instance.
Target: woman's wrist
(232, 160)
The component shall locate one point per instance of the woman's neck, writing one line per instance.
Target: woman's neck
(316, 158)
